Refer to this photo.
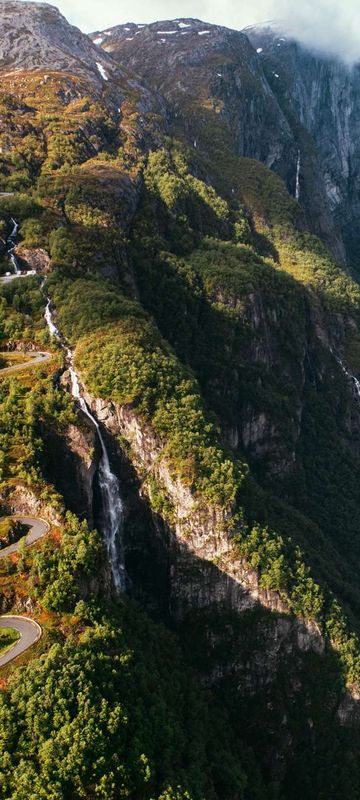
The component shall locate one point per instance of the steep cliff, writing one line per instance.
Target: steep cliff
(319, 96)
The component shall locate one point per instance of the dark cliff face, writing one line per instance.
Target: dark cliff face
(319, 96)
(204, 67)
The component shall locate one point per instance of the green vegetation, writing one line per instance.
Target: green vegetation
(196, 300)
(23, 412)
(200, 302)
(10, 531)
(57, 571)
(146, 374)
(21, 312)
(8, 637)
(116, 714)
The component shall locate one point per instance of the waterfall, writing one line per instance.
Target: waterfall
(297, 184)
(111, 500)
(11, 246)
(112, 504)
(14, 262)
(348, 374)
(49, 321)
(15, 229)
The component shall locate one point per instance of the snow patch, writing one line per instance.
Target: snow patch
(276, 75)
(259, 50)
(168, 33)
(202, 33)
(99, 40)
(102, 71)
(107, 33)
(184, 25)
(129, 38)
(127, 29)
(219, 74)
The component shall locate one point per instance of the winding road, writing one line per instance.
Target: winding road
(38, 529)
(29, 630)
(10, 278)
(30, 633)
(36, 357)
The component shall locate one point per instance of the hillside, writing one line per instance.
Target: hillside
(281, 104)
(192, 439)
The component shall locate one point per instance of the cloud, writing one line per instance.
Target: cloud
(332, 26)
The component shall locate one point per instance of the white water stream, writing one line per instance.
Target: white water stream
(297, 185)
(11, 246)
(348, 374)
(112, 506)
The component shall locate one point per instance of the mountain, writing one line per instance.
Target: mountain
(179, 402)
(37, 36)
(279, 103)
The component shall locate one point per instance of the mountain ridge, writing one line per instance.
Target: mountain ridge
(328, 192)
(37, 36)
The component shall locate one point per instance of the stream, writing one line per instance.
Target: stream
(348, 374)
(112, 506)
(297, 186)
(10, 246)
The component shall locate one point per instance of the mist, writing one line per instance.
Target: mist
(331, 26)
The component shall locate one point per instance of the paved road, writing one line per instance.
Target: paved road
(38, 529)
(30, 633)
(9, 278)
(29, 630)
(35, 356)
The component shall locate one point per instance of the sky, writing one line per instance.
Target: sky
(328, 25)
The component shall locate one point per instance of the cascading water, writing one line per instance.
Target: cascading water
(112, 504)
(49, 321)
(297, 184)
(11, 246)
(15, 229)
(355, 381)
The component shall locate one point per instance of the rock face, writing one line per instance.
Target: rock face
(34, 258)
(36, 36)
(203, 568)
(320, 98)
(22, 501)
(189, 62)
(70, 464)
